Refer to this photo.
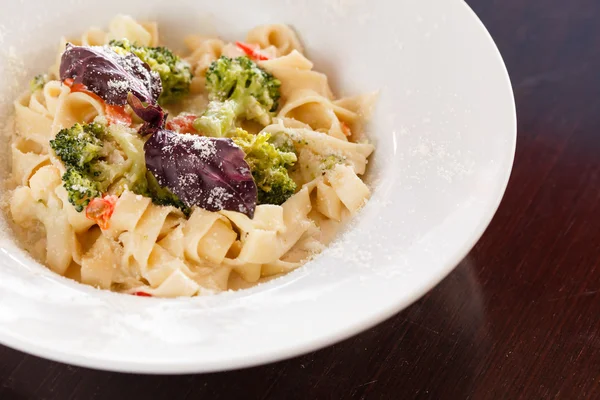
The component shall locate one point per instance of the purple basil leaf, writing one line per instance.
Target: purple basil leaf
(110, 75)
(154, 117)
(210, 173)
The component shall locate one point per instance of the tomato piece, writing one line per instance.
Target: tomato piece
(142, 294)
(101, 209)
(252, 51)
(114, 114)
(80, 87)
(117, 115)
(183, 123)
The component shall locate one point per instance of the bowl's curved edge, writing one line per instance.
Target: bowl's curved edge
(326, 340)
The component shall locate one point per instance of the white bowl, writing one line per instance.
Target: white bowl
(445, 133)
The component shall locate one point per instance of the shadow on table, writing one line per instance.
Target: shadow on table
(9, 394)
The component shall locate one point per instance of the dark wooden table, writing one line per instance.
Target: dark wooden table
(520, 316)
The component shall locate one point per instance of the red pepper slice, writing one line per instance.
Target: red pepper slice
(252, 51)
(80, 87)
(101, 209)
(117, 115)
(142, 294)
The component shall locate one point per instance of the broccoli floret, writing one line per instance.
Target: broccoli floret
(81, 188)
(38, 82)
(79, 145)
(237, 88)
(84, 150)
(94, 167)
(269, 166)
(239, 78)
(175, 74)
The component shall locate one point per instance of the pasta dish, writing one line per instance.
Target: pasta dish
(154, 173)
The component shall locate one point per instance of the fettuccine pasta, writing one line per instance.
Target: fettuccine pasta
(103, 190)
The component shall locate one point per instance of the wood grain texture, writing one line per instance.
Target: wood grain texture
(519, 318)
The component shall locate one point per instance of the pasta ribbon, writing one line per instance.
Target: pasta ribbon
(153, 250)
